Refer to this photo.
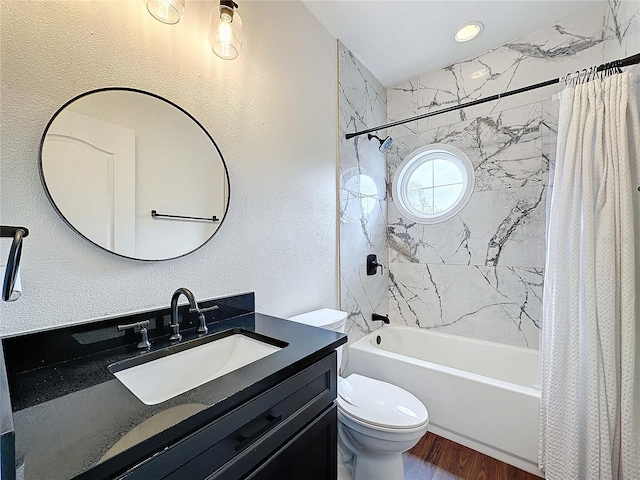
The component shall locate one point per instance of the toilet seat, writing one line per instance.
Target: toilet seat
(380, 405)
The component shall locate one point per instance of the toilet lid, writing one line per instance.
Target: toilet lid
(377, 403)
(323, 318)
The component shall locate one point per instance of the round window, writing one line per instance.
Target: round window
(433, 183)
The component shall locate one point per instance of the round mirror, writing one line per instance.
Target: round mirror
(134, 174)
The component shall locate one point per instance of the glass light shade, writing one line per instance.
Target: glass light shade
(469, 31)
(166, 11)
(225, 28)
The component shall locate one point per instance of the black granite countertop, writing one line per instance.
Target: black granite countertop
(69, 410)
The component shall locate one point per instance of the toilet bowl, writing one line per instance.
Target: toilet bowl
(377, 420)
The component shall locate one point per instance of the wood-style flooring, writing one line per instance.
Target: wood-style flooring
(436, 458)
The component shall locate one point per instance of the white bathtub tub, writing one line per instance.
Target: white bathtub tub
(480, 394)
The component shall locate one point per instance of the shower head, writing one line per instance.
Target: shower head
(384, 144)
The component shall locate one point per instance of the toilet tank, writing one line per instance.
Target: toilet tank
(325, 318)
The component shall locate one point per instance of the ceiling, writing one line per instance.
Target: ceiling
(398, 40)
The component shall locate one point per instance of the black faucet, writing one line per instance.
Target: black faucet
(193, 308)
(380, 318)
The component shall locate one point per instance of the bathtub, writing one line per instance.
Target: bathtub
(480, 394)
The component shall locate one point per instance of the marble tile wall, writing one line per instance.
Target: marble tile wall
(572, 45)
(480, 274)
(363, 208)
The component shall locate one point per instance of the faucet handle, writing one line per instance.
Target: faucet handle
(208, 309)
(142, 327)
(133, 325)
(202, 324)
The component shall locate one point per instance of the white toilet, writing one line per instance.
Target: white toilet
(377, 421)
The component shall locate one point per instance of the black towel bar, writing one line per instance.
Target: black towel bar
(155, 214)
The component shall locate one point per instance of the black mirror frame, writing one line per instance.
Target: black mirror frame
(135, 90)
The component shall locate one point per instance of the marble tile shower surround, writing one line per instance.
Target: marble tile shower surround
(571, 45)
(493, 303)
(362, 104)
(480, 273)
(506, 212)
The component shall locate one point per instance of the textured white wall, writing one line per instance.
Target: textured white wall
(272, 111)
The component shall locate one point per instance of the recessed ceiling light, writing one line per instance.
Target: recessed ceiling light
(468, 31)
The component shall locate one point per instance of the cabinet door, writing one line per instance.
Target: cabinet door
(238, 442)
(311, 455)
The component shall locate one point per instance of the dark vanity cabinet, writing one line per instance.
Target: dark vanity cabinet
(69, 417)
(311, 454)
(287, 432)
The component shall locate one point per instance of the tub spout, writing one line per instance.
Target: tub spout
(380, 318)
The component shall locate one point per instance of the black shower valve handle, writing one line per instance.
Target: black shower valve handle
(372, 265)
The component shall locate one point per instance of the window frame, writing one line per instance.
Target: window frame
(419, 157)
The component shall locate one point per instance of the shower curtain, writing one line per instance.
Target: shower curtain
(590, 344)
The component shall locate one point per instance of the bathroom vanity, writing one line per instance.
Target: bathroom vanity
(72, 418)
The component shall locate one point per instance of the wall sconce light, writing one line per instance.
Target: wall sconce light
(225, 27)
(166, 11)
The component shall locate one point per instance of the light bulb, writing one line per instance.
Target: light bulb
(225, 26)
(224, 38)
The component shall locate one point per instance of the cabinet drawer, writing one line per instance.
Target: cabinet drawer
(312, 454)
(270, 446)
(278, 412)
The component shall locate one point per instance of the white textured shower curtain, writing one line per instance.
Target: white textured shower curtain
(590, 409)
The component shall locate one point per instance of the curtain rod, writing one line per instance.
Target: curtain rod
(625, 62)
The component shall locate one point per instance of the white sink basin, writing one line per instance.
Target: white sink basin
(150, 427)
(158, 380)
